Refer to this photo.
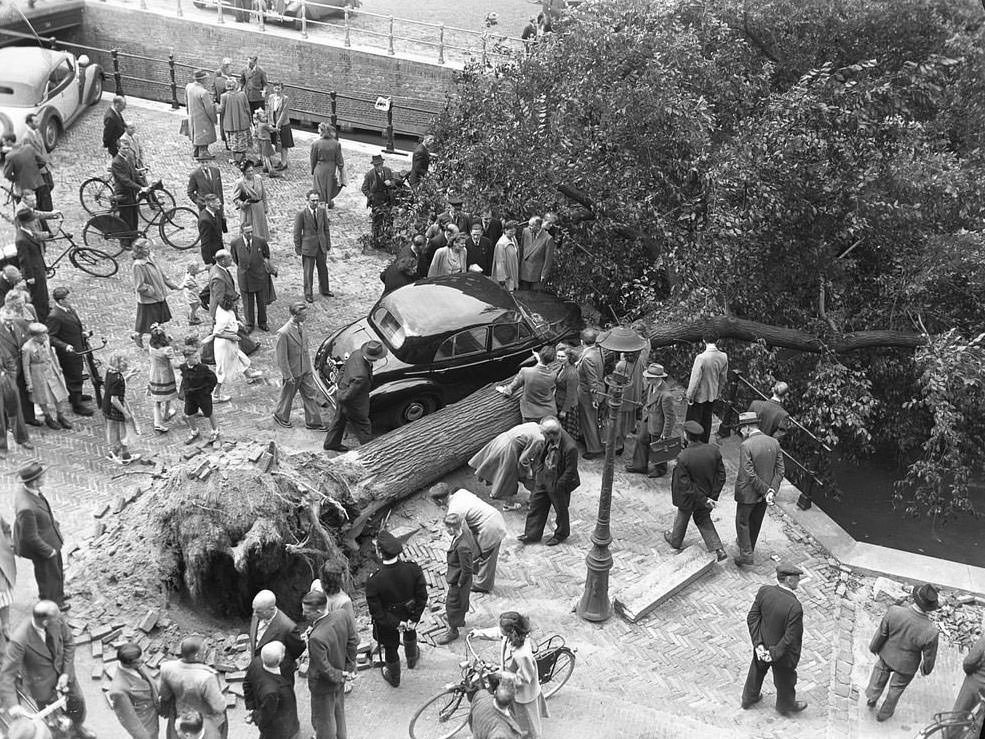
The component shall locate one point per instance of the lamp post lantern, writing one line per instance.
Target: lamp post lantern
(595, 604)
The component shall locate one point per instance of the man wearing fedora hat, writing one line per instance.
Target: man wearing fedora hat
(378, 188)
(202, 114)
(657, 422)
(699, 477)
(353, 396)
(37, 535)
(776, 626)
(396, 595)
(760, 475)
(905, 641)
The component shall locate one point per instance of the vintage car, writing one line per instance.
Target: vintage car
(447, 337)
(53, 84)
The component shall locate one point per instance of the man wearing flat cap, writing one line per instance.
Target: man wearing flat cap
(353, 396)
(37, 535)
(776, 626)
(133, 694)
(699, 477)
(378, 187)
(658, 420)
(760, 475)
(396, 595)
(905, 641)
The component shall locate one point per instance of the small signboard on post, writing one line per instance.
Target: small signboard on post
(382, 103)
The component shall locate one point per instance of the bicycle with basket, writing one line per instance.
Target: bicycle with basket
(447, 713)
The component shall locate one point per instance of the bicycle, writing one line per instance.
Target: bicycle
(958, 724)
(177, 226)
(447, 713)
(52, 717)
(90, 260)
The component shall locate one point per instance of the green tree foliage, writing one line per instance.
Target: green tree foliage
(811, 164)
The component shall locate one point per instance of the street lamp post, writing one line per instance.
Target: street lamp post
(595, 604)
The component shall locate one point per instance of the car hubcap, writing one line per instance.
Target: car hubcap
(415, 411)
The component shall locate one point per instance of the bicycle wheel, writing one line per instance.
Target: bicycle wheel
(179, 228)
(106, 233)
(96, 196)
(96, 263)
(563, 667)
(441, 717)
(157, 203)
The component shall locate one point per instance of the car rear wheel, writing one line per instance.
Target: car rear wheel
(50, 131)
(413, 409)
(96, 93)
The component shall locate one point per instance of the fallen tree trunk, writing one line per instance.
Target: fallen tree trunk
(395, 465)
(788, 338)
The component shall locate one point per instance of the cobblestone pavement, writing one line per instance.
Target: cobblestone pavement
(678, 673)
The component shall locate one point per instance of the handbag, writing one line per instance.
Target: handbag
(665, 450)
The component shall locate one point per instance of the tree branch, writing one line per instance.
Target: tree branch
(756, 41)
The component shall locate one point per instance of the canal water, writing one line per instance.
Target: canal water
(866, 510)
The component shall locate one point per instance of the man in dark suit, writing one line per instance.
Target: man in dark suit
(37, 535)
(492, 228)
(420, 161)
(41, 652)
(210, 228)
(774, 420)
(23, 168)
(776, 625)
(269, 693)
(353, 396)
(332, 643)
(378, 187)
(294, 361)
(479, 250)
(251, 255)
(206, 179)
(270, 624)
(113, 125)
(658, 421)
(760, 475)
(457, 215)
(699, 477)
(13, 335)
(399, 273)
(67, 335)
(416, 254)
(555, 478)
(906, 641)
(30, 259)
(396, 596)
(127, 185)
(312, 242)
(221, 280)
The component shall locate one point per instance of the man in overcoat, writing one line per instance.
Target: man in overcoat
(41, 652)
(760, 474)
(127, 186)
(555, 478)
(269, 693)
(312, 242)
(536, 255)
(659, 416)
(113, 125)
(294, 361)
(905, 642)
(133, 694)
(353, 396)
(30, 258)
(252, 255)
(204, 180)
(13, 335)
(210, 228)
(188, 684)
(776, 626)
(37, 535)
(202, 114)
(221, 280)
(68, 337)
(458, 574)
(699, 477)
(378, 186)
(591, 392)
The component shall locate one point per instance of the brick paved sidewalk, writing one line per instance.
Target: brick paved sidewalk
(678, 673)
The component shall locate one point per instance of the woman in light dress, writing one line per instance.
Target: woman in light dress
(250, 198)
(229, 358)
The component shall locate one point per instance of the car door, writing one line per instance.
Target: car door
(461, 363)
(511, 343)
(60, 90)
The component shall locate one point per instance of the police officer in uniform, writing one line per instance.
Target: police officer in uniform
(396, 595)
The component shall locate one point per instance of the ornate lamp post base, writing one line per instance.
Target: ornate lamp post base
(595, 604)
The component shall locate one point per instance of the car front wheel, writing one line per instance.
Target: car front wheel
(412, 409)
(50, 131)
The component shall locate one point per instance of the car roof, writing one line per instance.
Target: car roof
(442, 304)
(28, 65)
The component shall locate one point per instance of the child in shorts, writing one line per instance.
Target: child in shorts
(197, 383)
(191, 291)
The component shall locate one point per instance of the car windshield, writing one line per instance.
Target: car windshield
(18, 95)
(388, 325)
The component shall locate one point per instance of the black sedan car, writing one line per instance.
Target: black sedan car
(447, 337)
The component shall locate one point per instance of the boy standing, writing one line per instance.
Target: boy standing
(197, 383)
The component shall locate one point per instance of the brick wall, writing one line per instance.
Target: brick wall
(295, 61)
